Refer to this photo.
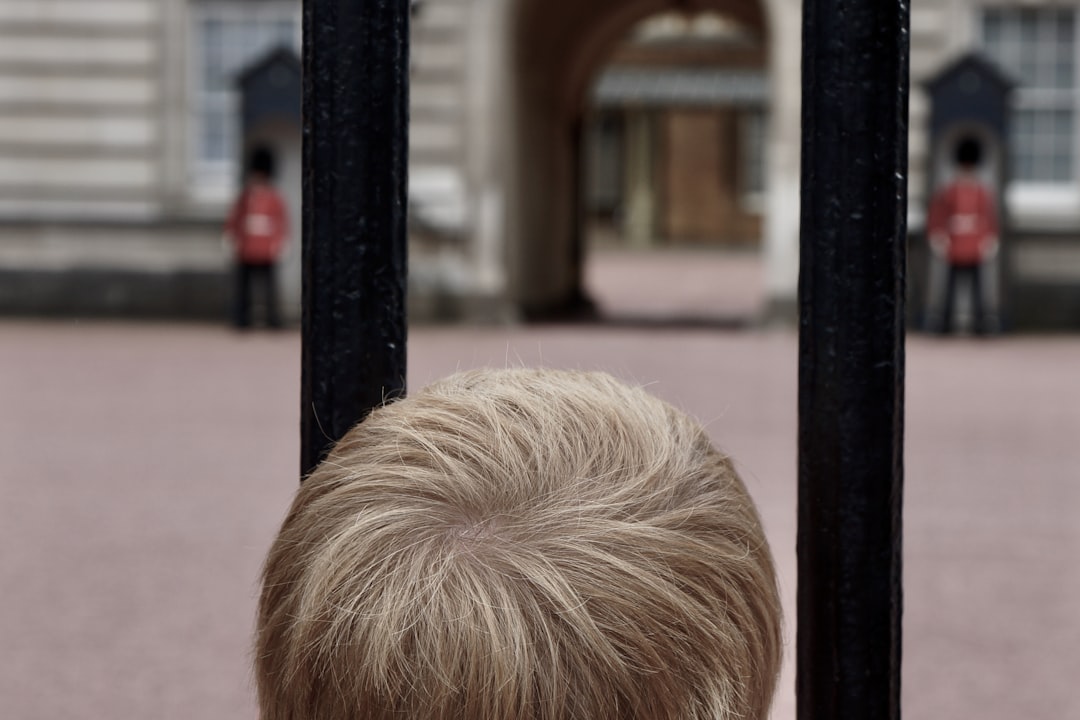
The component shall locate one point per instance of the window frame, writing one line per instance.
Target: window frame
(1041, 202)
(216, 180)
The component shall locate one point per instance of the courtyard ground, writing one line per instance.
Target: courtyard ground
(144, 469)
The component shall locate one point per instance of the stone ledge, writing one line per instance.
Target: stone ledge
(88, 292)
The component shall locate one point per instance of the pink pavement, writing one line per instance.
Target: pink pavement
(144, 469)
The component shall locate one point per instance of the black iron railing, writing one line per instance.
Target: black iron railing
(356, 113)
(851, 358)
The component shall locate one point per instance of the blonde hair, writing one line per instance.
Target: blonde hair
(520, 545)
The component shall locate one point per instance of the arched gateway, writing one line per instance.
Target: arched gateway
(531, 66)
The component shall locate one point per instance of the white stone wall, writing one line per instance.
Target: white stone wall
(439, 112)
(79, 99)
(781, 221)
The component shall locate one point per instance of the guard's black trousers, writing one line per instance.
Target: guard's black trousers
(978, 304)
(252, 277)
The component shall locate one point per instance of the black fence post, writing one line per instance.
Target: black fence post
(356, 104)
(851, 357)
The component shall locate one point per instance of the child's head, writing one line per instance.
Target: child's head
(526, 545)
(968, 153)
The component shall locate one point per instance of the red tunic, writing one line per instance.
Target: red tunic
(258, 225)
(963, 212)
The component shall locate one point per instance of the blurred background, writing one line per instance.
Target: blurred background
(550, 142)
(604, 184)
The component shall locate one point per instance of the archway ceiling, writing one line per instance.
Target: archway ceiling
(559, 44)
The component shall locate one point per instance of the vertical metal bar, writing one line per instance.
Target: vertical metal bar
(851, 357)
(356, 95)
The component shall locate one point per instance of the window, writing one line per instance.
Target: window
(606, 140)
(752, 124)
(1037, 46)
(226, 38)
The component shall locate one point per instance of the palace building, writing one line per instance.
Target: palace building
(537, 127)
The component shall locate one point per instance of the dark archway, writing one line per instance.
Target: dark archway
(674, 173)
(557, 47)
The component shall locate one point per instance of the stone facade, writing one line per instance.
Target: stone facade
(99, 208)
(107, 143)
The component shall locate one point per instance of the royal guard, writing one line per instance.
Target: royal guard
(963, 230)
(257, 230)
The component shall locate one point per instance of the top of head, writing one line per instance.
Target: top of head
(521, 544)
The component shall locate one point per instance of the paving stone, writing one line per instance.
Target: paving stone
(144, 469)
